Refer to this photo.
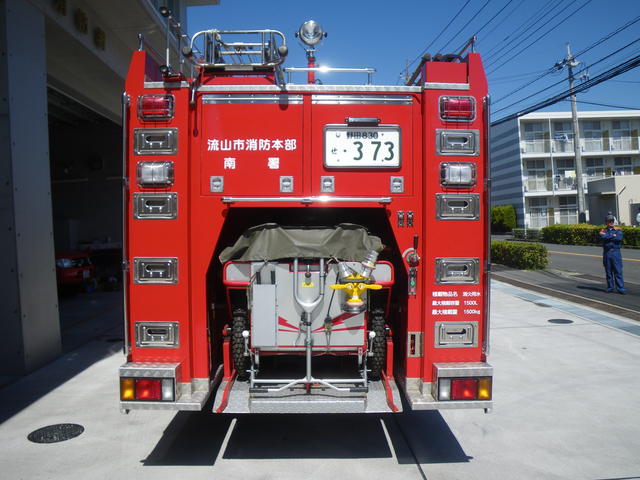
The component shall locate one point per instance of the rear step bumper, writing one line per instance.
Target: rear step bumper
(234, 397)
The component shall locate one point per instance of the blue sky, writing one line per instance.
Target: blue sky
(386, 34)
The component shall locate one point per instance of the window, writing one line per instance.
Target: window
(534, 141)
(565, 163)
(623, 166)
(538, 212)
(595, 167)
(567, 201)
(621, 124)
(592, 135)
(562, 127)
(621, 138)
(567, 210)
(536, 176)
(533, 127)
(565, 174)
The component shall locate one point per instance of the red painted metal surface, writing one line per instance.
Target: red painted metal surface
(252, 145)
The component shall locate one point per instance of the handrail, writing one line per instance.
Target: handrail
(264, 48)
(368, 71)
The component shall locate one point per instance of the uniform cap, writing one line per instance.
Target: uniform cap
(610, 218)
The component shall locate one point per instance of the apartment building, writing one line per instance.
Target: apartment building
(533, 165)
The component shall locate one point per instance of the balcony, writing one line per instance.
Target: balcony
(562, 183)
(563, 143)
(545, 185)
(534, 146)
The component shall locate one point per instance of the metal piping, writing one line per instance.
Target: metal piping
(125, 187)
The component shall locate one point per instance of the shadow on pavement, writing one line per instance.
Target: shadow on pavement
(192, 438)
(424, 437)
(27, 390)
(91, 330)
(197, 438)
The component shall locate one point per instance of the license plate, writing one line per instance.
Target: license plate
(85, 274)
(374, 147)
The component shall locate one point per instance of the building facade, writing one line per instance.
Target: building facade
(63, 64)
(534, 167)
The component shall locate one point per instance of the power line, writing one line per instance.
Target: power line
(612, 72)
(609, 35)
(603, 39)
(503, 20)
(518, 32)
(439, 34)
(464, 26)
(608, 105)
(486, 23)
(543, 35)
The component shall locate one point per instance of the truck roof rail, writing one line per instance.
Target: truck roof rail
(237, 50)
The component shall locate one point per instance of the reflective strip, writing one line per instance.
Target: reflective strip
(445, 86)
(182, 84)
(361, 99)
(227, 99)
(292, 87)
(322, 199)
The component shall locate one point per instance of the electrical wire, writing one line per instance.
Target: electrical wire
(517, 33)
(611, 73)
(439, 34)
(485, 24)
(608, 36)
(503, 20)
(607, 105)
(603, 39)
(563, 80)
(515, 55)
(473, 17)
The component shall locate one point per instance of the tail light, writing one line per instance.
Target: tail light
(155, 107)
(457, 108)
(464, 389)
(147, 389)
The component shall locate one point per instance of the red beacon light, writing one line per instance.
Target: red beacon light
(155, 107)
(457, 108)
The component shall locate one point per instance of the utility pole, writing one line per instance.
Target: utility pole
(570, 62)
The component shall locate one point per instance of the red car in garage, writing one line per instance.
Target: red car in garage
(74, 269)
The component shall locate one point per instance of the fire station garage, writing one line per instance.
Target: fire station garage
(61, 81)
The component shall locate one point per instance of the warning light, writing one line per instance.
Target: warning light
(155, 107)
(464, 389)
(457, 108)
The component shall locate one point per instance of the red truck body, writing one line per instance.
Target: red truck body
(210, 160)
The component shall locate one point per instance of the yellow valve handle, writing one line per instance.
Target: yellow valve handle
(354, 290)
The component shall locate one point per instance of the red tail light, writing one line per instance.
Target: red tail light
(464, 389)
(148, 389)
(457, 108)
(155, 107)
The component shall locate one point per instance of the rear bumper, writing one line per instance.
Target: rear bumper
(188, 395)
(234, 397)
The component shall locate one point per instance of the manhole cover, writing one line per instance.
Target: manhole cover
(56, 433)
(560, 321)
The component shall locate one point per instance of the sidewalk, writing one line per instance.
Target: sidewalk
(565, 391)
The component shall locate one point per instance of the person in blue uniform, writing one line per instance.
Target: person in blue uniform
(611, 257)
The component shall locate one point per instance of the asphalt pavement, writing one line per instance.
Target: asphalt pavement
(566, 396)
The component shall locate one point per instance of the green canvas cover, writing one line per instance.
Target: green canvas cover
(270, 241)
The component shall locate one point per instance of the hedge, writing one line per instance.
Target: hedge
(585, 234)
(525, 256)
(531, 234)
(503, 218)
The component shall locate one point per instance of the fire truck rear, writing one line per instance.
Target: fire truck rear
(303, 247)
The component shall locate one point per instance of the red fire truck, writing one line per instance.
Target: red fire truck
(304, 247)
